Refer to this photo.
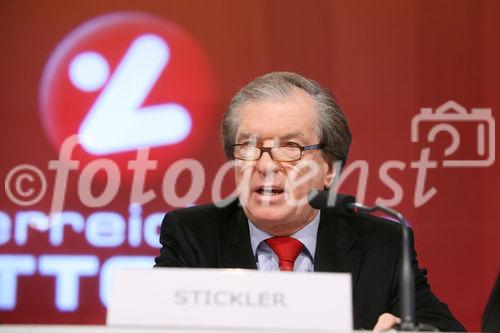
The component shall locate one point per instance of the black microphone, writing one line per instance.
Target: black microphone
(342, 203)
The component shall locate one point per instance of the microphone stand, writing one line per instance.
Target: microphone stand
(340, 203)
(407, 279)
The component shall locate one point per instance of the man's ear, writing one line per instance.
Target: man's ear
(333, 170)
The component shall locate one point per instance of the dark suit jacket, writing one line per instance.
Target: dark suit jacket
(366, 246)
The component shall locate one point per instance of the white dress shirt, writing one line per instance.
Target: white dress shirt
(267, 260)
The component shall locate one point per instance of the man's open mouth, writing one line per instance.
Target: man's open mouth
(265, 190)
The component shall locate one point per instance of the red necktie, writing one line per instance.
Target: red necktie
(287, 249)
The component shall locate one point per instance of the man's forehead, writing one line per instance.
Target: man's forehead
(290, 117)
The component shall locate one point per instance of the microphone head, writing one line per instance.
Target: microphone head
(321, 200)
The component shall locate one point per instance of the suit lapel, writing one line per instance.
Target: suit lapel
(234, 249)
(335, 248)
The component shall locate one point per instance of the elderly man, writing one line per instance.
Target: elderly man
(285, 134)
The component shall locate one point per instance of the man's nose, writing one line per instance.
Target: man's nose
(266, 164)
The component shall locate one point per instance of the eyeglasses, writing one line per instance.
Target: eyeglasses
(288, 152)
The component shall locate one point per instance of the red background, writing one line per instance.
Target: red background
(384, 60)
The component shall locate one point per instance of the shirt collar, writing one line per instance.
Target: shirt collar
(307, 235)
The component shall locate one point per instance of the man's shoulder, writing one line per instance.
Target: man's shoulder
(370, 226)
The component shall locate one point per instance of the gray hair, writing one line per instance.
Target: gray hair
(332, 126)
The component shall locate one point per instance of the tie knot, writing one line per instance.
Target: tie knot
(287, 249)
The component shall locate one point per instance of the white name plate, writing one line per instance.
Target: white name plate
(230, 298)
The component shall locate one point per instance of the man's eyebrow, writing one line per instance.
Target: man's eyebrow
(246, 136)
(292, 135)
